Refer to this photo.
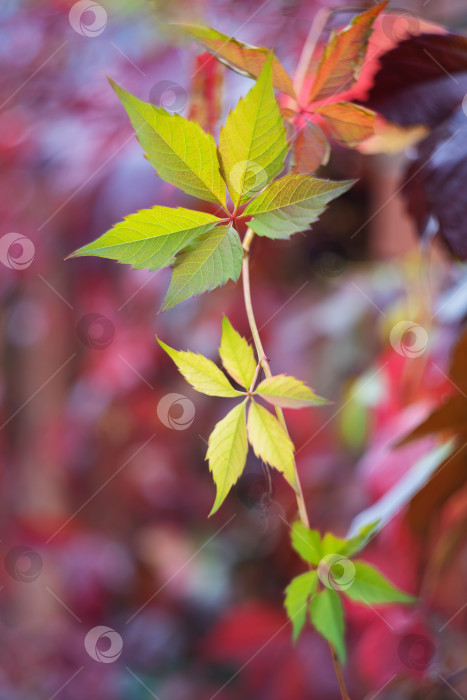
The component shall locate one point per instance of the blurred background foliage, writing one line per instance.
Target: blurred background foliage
(108, 504)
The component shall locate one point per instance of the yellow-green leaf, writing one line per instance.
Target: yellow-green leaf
(181, 152)
(270, 442)
(237, 355)
(307, 543)
(287, 392)
(201, 373)
(297, 595)
(150, 238)
(371, 587)
(291, 204)
(343, 56)
(213, 259)
(228, 447)
(327, 616)
(246, 60)
(348, 547)
(252, 144)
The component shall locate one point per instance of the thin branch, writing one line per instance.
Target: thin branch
(264, 363)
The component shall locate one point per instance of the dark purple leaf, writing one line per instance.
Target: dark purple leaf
(435, 183)
(422, 80)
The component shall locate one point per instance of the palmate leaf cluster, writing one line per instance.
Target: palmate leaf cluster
(204, 249)
(249, 421)
(334, 574)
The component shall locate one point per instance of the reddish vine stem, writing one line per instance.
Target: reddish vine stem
(264, 362)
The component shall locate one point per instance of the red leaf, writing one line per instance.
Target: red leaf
(206, 92)
(311, 149)
(343, 56)
(348, 123)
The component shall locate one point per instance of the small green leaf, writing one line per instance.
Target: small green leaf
(252, 144)
(237, 355)
(270, 442)
(297, 595)
(287, 392)
(371, 587)
(150, 238)
(327, 616)
(244, 59)
(291, 204)
(307, 543)
(181, 152)
(228, 447)
(201, 373)
(348, 547)
(213, 259)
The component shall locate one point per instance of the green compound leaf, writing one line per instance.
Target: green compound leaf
(244, 59)
(237, 355)
(371, 587)
(349, 547)
(270, 442)
(228, 447)
(297, 595)
(307, 543)
(288, 392)
(327, 616)
(291, 204)
(201, 373)
(150, 238)
(213, 259)
(252, 144)
(181, 152)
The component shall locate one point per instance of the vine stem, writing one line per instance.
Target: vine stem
(264, 362)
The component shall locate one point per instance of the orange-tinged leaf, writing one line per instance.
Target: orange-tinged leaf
(343, 56)
(392, 138)
(348, 123)
(239, 56)
(311, 149)
(206, 92)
